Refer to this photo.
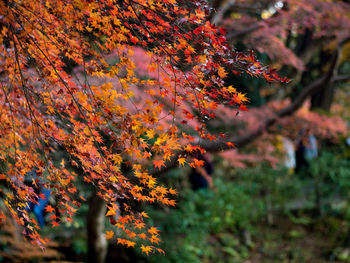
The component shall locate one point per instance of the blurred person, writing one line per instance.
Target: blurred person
(44, 194)
(306, 149)
(201, 177)
(286, 146)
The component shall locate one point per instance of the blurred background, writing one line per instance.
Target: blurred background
(281, 196)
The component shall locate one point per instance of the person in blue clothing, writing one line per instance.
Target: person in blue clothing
(201, 177)
(311, 151)
(306, 149)
(44, 194)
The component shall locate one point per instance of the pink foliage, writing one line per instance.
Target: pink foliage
(324, 18)
(324, 127)
(242, 160)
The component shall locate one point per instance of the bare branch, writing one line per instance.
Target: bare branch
(246, 31)
(339, 78)
(217, 17)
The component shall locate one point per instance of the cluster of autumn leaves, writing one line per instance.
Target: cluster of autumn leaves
(95, 115)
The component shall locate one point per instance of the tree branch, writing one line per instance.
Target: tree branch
(339, 78)
(245, 31)
(290, 109)
(245, 139)
(219, 14)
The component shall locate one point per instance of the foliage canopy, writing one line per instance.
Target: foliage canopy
(115, 125)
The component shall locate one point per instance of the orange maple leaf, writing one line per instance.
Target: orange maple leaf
(109, 234)
(146, 249)
(172, 191)
(230, 144)
(189, 148)
(160, 251)
(130, 243)
(139, 225)
(53, 217)
(142, 236)
(153, 231)
(144, 214)
(158, 164)
(172, 203)
(196, 163)
(122, 241)
(49, 209)
(54, 224)
(221, 72)
(111, 212)
(154, 239)
(240, 98)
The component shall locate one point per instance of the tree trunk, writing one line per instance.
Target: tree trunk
(97, 243)
(323, 99)
(318, 195)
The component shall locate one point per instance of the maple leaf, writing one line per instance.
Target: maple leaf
(140, 225)
(211, 137)
(154, 239)
(230, 89)
(153, 231)
(49, 209)
(144, 214)
(150, 134)
(130, 243)
(161, 251)
(142, 236)
(53, 217)
(230, 144)
(109, 234)
(196, 163)
(162, 190)
(146, 249)
(55, 224)
(158, 164)
(181, 161)
(172, 191)
(137, 188)
(221, 71)
(243, 108)
(111, 212)
(240, 98)
(147, 155)
(189, 148)
(122, 241)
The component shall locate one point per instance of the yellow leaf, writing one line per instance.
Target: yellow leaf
(181, 161)
(150, 134)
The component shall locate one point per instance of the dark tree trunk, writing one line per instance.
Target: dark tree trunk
(323, 99)
(97, 244)
(318, 195)
(305, 42)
